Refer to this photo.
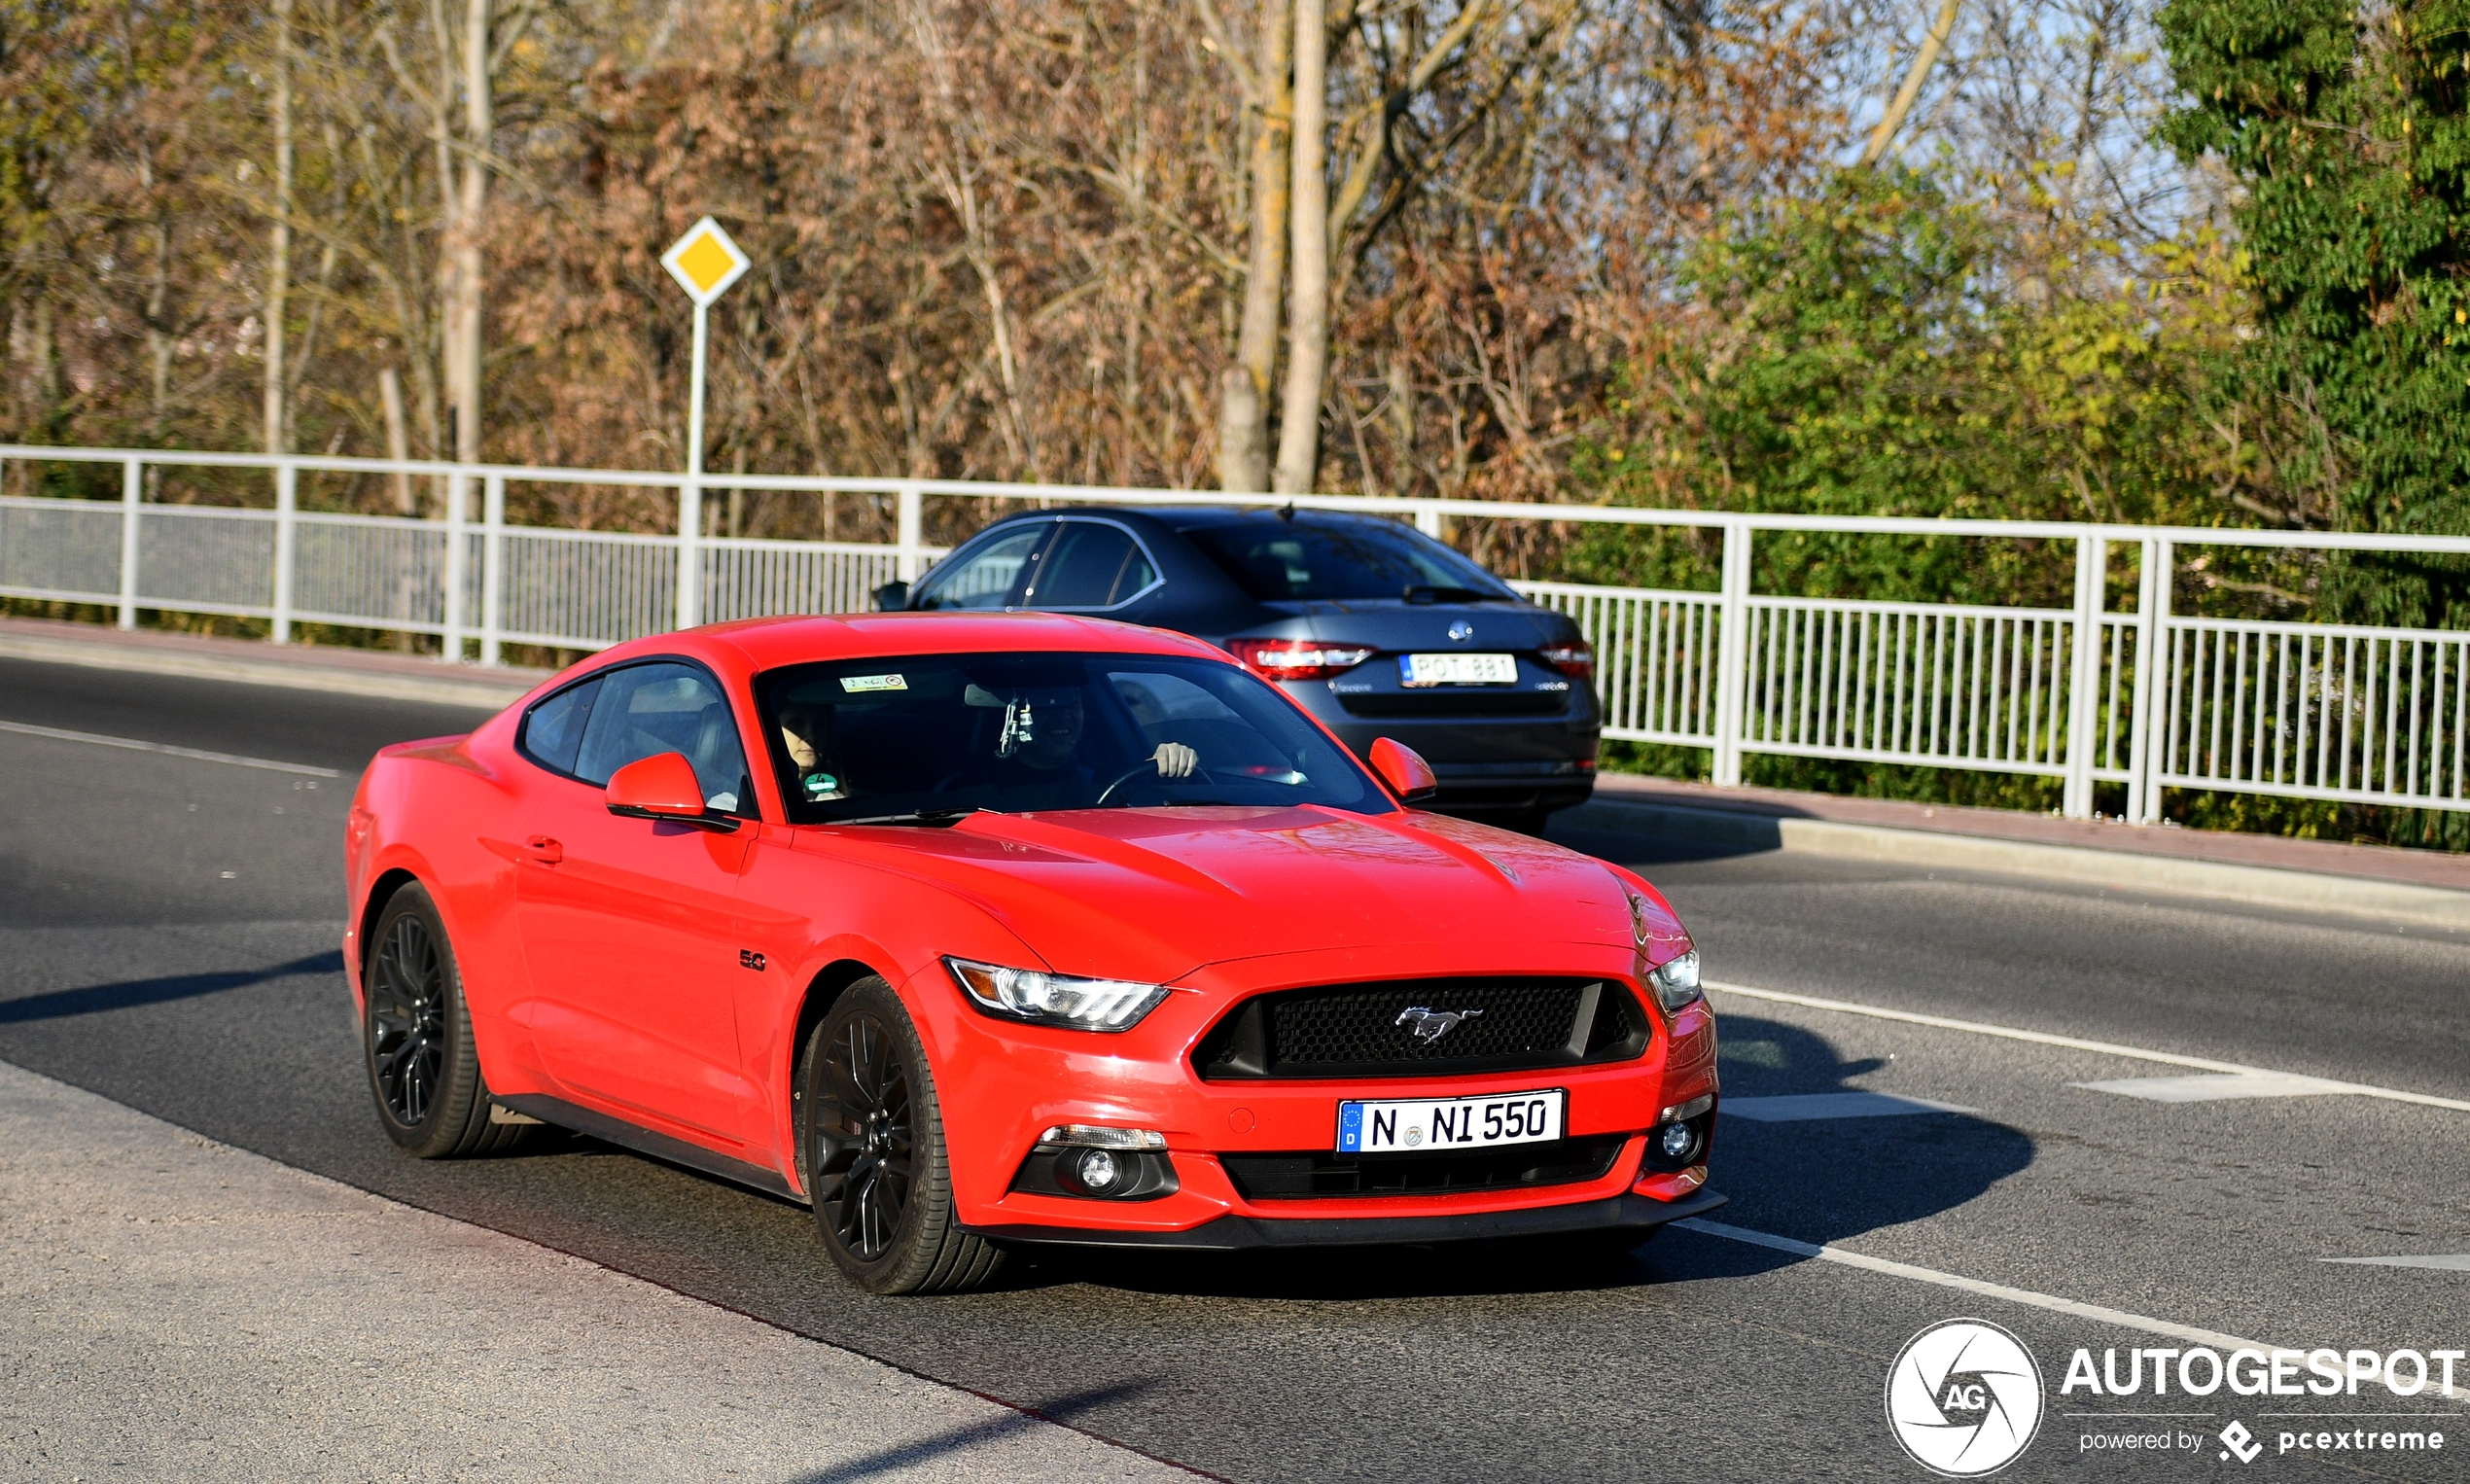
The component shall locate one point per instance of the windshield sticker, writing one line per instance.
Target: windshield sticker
(861, 683)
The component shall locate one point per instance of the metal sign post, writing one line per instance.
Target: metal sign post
(704, 262)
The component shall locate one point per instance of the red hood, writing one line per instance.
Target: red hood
(1155, 894)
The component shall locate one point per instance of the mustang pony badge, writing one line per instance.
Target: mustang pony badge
(1430, 1025)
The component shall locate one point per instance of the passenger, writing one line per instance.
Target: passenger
(804, 730)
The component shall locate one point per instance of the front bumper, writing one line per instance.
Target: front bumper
(1252, 1233)
(1010, 1082)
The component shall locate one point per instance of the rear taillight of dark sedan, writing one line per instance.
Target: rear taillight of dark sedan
(1298, 658)
(1575, 658)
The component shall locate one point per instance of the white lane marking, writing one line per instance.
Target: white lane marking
(2076, 1043)
(57, 734)
(1804, 1107)
(2119, 1317)
(2452, 1262)
(2214, 1087)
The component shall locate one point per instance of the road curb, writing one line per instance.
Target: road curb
(2266, 885)
(441, 689)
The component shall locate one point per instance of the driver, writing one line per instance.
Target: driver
(1037, 751)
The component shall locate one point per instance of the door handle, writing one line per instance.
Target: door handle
(545, 850)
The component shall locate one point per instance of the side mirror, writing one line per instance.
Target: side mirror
(892, 597)
(663, 788)
(1404, 770)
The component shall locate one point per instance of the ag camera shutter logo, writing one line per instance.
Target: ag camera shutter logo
(1964, 1398)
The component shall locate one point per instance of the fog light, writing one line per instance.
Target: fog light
(1097, 1171)
(1676, 1141)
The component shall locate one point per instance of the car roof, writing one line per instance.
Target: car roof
(1209, 516)
(1197, 517)
(750, 646)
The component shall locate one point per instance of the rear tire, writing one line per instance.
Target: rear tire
(424, 1072)
(875, 1156)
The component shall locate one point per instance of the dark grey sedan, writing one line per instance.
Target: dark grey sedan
(1378, 629)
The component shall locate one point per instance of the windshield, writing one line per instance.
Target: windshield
(1281, 560)
(865, 739)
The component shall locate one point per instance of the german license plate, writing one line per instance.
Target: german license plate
(1458, 670)
(1450, 1123)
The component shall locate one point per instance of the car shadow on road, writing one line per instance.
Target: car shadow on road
(1639, 848)
(1829, 1179)
(1819, 1181)
(901, 1457)
(92, 999)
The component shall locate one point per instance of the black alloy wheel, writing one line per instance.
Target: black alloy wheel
(874, 1154)
(424, 1073)
(864, 1165)
(408, 1019)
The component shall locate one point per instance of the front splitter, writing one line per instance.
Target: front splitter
(1247, 1233)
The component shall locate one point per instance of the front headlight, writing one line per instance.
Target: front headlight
(1676, 982)
(1052, 999)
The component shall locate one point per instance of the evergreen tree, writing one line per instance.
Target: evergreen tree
(2348, 130)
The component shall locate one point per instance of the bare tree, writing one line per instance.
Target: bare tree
(1308, 299)
(1914, 76)
(1266, 85)
(278, 255)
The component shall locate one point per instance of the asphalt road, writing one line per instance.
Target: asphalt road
(167, 938)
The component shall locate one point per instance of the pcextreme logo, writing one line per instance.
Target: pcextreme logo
(1964, 1398)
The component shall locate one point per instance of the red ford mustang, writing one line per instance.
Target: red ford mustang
(971, 930)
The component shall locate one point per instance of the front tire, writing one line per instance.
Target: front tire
(416, 1038)
(875, 1156)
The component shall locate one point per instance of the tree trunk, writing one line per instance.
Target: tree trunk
(408, 586)
(1931, 44)
(159, 343)
(443, 434)
(390, 396)
(45, 380)
(278, 271)
(1243, 422)
(479, 142)
(1308, 302)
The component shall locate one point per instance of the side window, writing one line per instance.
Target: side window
(645, 710)
(984, 578)
(553, 729)
(1092, 564)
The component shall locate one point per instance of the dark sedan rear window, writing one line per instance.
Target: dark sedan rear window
(1297, 561)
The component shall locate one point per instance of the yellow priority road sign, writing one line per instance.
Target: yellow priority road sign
(705, 261)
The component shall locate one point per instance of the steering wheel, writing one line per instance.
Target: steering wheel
(1147, 765)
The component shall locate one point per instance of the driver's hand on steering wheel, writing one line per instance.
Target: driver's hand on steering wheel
(1175, 761)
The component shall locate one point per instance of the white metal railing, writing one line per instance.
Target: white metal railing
(2305, 710)
(1976, 688)
(1655, 657)
(2316, 711)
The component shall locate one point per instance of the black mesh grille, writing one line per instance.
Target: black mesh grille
(1418, 1027)
(1343, 1027)
(1308, 1176)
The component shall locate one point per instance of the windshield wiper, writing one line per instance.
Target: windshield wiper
(932, 817)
